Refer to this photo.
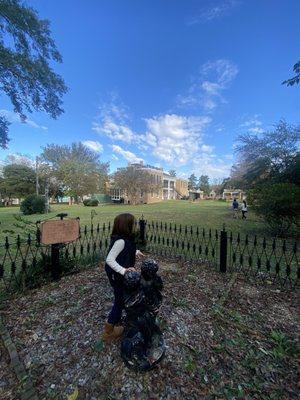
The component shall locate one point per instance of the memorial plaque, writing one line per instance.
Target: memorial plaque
(59, 231)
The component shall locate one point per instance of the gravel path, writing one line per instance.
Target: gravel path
(57, 332)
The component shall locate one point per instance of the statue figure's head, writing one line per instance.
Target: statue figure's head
(149, 268)
(132, 280)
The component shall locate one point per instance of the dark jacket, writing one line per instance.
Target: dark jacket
(126, 258)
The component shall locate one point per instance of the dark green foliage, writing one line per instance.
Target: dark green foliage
(75, 167)
(91, 202)
(33, 204)
(203, 184)
(295, 79)
(4, 125)
(26, 51)
(18, 181)
(36, 274)
(279, 205)
(267, 157)
(192, 183)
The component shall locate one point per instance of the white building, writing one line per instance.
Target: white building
(169, 190)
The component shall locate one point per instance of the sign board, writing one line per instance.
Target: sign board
(59, 231)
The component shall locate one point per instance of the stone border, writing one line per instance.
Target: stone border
(27, 389)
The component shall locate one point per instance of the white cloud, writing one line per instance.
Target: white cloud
(13, 117)
(112, 121)
(18, 158)
(220, 9)
(93, 145)
(175, 138)
(128, 155)
(207, 149)
(207, 88)
(252, 124)
(208, 164)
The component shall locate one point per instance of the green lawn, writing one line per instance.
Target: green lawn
(205, 214)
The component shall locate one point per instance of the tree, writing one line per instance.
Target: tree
(192, 182)
(18, 181)
(203, 183)
(172, 172)
(295, 79)
(266, 157)
(278, 204)
(134, 181)
(26, 51)
(77, 167)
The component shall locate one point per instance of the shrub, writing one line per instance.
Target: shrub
(91, 202)
(33, 204)
(278, 204)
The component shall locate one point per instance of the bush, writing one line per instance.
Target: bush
(278, 204)
(220, 199)
(91, 202)
(33, 204)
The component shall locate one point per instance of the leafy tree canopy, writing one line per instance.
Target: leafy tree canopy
(26, 50)
(76, 167)
(192, 182)
(295, 79)
(203, 183)
(18, 181)
(134, 181)
(267, 157)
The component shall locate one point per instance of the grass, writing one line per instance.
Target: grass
(205, 214)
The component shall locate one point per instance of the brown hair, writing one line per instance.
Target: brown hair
(124, 226)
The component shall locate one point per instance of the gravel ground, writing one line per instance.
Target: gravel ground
(245, 349)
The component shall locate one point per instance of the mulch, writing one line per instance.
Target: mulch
(245, 348)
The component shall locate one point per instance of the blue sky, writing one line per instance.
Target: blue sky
(169, 82)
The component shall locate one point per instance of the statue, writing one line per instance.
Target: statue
(143, 345)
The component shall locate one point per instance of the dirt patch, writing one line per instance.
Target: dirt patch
(230, 352)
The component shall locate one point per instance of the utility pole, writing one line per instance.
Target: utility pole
(37, 175)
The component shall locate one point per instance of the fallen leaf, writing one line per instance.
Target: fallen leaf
(74, 395)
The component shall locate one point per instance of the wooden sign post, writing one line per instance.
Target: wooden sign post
(56, 233)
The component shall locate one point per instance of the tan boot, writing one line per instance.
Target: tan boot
(107, 334)
(117, 332)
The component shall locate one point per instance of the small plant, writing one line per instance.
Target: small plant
(190, 365)
(33, 204)
(181, 303)
(282, 346)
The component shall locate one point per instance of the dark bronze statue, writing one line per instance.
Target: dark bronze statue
(143, 344)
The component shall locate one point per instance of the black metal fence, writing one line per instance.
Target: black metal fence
(24, 261)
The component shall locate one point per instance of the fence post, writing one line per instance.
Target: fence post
(223, 250)
(142, 224)
(55, 265)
